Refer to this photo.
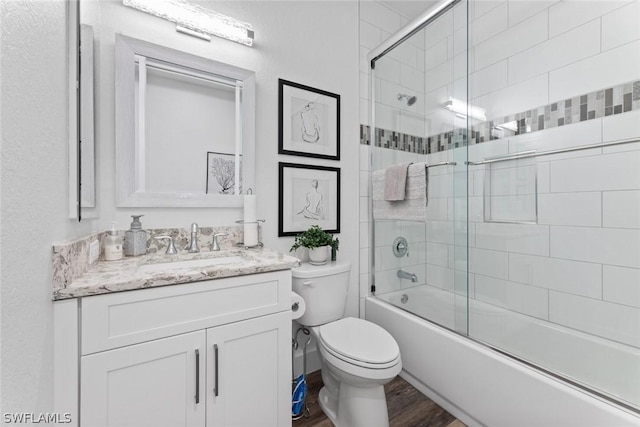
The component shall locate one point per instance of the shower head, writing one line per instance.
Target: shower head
(410, 99)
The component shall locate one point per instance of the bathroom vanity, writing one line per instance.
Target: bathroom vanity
(196, 340)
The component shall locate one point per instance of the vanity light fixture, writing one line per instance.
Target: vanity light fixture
(195, 20)
(462, 109)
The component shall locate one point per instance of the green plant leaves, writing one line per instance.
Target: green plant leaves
(314, 237)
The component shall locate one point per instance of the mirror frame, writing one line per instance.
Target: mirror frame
(126, 195)
(73, 83)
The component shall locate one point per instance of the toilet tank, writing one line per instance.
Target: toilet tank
(324, 290)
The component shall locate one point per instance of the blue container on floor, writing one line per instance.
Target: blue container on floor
(299, 393)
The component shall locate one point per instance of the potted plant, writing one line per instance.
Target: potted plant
(317, 242)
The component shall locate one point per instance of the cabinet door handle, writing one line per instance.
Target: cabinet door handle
(215, 369)
(197, 376)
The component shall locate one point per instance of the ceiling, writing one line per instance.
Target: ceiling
(409, 8)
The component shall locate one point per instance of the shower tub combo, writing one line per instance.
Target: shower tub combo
(519, 314)
(481, 386)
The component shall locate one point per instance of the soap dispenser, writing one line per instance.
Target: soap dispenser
(135, 239)
(113, 245)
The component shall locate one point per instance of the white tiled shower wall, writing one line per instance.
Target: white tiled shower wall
(401, 72)
(579, 266)
(377, 23)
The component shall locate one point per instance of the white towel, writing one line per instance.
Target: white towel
(413, 207)
(395, 182)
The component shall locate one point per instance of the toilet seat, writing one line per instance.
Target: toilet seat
(360, 343)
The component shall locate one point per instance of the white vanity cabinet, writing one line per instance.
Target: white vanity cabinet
(212, 353)
(148, 384)
(252, 384)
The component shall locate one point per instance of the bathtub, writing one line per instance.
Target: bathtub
(483, 387)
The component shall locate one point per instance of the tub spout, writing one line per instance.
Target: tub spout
(404, 275)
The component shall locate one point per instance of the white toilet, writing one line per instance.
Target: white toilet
(358, 357)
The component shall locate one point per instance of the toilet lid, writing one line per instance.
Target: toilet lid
(359, 340)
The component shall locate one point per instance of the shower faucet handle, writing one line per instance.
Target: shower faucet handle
(400, 247)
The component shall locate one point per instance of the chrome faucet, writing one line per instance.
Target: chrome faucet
(404, 275)
(193, 246)
(214, 243)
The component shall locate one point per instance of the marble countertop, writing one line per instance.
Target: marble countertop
(148, 271)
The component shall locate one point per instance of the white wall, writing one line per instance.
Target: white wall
(528, 54)
(185, 119)
(34, 195)
(402, 71)
(314, 43)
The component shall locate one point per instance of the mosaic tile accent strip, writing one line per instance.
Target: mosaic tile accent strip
(615, 100)
(411, 143)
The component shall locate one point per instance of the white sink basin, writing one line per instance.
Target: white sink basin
(189, 264)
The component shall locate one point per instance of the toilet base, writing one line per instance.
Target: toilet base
(328, 405)
(355, 406)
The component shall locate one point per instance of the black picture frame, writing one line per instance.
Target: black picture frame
(308, 195)
(308, 121)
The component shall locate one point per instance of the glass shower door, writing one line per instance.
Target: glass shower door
(419, 116)
(523, 116)
(554, 203)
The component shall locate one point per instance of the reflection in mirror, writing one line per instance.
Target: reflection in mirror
(184, 128)
(180, 114)
(82, 194)
(87, 134)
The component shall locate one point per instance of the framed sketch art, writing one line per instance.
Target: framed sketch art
(309, 121)
(309, 195)
(221, 173)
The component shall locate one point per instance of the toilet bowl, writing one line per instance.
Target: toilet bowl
(358, 357)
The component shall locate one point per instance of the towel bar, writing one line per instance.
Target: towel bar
(441, 164)
(526, 154)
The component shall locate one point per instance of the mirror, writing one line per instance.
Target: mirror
(82, 194)
(184, 128)
(94, 24)
(87, 118)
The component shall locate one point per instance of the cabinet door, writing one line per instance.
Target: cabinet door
(148, 384)
(252, 360)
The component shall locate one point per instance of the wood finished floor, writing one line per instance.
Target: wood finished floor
(407, 407)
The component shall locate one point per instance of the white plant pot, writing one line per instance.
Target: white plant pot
(319, 256)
